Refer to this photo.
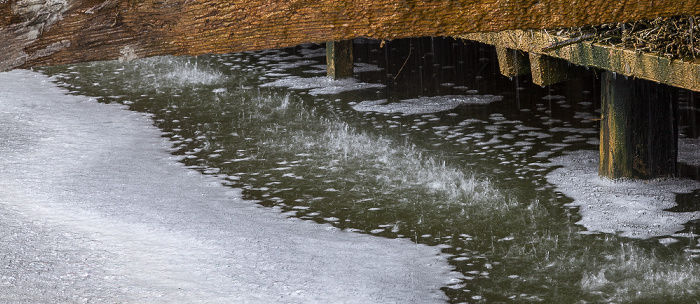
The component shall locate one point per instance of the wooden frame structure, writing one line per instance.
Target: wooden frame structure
(638, 130)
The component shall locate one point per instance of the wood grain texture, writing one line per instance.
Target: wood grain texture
(47, 32)
(512, 62)
(339, 61)
(638, 130)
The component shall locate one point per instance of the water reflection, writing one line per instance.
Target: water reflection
(470, 178)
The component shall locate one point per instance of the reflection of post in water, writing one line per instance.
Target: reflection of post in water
(638, 130)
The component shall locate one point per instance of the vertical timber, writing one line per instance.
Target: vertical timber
(638, 130)
(339, 59)
(512, 62)
(548, 70)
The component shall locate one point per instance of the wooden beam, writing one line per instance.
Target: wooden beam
(677, 73)
(47, 32)
(512, 62)
(339, 61)
(548, 70)
(638, 130)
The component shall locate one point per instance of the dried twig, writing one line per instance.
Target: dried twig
(673, 37)
(564, 43)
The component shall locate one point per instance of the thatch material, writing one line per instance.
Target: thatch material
(675, 37)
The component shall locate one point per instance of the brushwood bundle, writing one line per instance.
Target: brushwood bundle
(675, 37)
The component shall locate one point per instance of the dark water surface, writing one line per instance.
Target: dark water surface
(470, 179)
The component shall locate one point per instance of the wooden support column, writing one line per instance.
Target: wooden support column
(339, 59)
(512, 62)
(548, 70)
(638, 130)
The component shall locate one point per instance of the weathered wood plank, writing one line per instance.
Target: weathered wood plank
(45, 32)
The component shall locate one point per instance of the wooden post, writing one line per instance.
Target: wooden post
(548, 70)
(512, 62)
(638, 129)
(339, 59)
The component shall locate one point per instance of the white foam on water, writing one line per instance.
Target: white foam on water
(322, 85)
(538, 135)
(312, 53)
(543, 154)
(553, 97)
(293, 64)
(425, 105)
(574, 130)
(689, 151)
(470, 121)
(276, 74)
(95, 209)
(361, 67)
(634, 209)
(526, 128)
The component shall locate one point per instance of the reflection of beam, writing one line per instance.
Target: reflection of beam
(638, 132)
(339, 59)
(677, 73)
(46, 32)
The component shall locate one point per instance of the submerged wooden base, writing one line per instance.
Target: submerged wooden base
(638, 130)
(339, 59)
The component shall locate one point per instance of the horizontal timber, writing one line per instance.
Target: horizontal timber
(674, 72)
(48, 32)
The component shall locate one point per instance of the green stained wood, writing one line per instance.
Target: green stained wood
(339, 59)
(638, 130)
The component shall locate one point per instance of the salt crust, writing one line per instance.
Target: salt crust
(94, 209)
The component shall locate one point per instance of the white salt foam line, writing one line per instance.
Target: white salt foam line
(101, 180)
(630, 208)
